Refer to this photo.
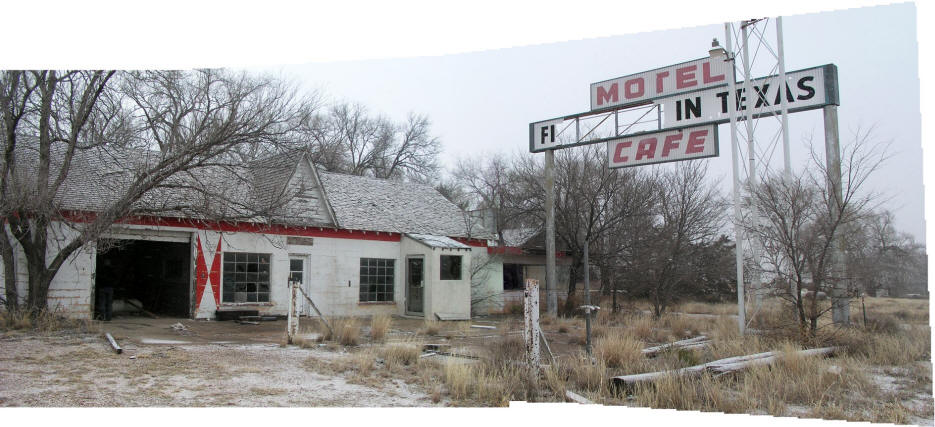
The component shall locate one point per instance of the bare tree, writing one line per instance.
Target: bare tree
(688, 215)
(144, 140)
(488, 183)
(348, 139)
(800, 221)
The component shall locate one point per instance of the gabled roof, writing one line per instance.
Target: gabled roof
(363, 203)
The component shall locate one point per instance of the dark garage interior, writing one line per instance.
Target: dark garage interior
(154, 273)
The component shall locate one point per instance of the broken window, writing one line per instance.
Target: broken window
(376, 279)
(246, 277)
(451, 267)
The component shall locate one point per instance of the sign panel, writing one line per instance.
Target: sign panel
(663, 146)
(804, 90)
(662, 82)
(544, 135)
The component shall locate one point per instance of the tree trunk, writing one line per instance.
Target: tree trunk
(572, 275)
(9, 271)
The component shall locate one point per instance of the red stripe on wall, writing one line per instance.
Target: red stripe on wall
(246, 227)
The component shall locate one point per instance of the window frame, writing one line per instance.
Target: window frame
(246, 277)
(442, 270)
(378, 284)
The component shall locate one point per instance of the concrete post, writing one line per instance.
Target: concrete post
(551, 282)
(840, 303)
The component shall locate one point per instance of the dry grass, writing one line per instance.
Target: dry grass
(346, 331)
(431, 327)
(706, 308)
(906, 310)
(379, 325)
(402, 353)
(46, 321)
(620, 350)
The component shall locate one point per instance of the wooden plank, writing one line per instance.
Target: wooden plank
(113, 342)
(722, 366)
(651, 351)
(321, 316)
(577, 398)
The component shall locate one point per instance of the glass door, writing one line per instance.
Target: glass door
(415, 284)
(297, 274)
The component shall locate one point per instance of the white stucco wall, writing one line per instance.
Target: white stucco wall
(487, 282)
(69, 293)
(332, 272)
(451, 297)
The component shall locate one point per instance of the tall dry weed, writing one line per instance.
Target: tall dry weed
(379, 326)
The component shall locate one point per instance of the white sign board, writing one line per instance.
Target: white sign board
(662, 82)
(804, 90)
(663, 146)
(545, 135)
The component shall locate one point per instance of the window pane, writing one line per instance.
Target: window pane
(228, 257)
(450, 267)
(295, 265)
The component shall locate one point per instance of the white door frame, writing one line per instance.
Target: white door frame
(302, 308)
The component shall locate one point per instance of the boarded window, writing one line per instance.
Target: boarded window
(245, 277)
(376, 279)
(451, 267)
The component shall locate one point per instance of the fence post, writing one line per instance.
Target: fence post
(292, 323)
(531, 325)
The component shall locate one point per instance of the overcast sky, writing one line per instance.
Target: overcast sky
(482, 102)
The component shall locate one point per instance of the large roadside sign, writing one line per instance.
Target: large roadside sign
(667, 145)
(806, 89)
(641, 88)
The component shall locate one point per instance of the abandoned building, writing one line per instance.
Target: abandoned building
(358, 246)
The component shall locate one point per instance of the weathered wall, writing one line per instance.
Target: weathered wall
(452, 297)
(69, 293)
(332, 273)
(486, 281)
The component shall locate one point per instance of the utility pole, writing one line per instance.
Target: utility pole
(550, 279)
(840, 304)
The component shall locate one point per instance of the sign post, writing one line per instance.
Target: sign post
(691, 99)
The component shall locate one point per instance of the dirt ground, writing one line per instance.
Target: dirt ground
(184, 362)
(211, 364)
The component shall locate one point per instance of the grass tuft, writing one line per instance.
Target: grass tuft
(379, 325)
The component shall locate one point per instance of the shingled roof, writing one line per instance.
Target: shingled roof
(97, 178)
(363, 203)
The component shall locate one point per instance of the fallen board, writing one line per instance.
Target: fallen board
(720, 367)
(696, 342)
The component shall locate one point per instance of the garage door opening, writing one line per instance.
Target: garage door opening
(152, 274)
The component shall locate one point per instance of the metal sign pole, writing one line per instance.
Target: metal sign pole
(750, 96)
(735, 152)
(784, 104)
(550, 279)
(587, 298)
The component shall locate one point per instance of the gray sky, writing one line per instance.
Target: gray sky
(482, 102)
